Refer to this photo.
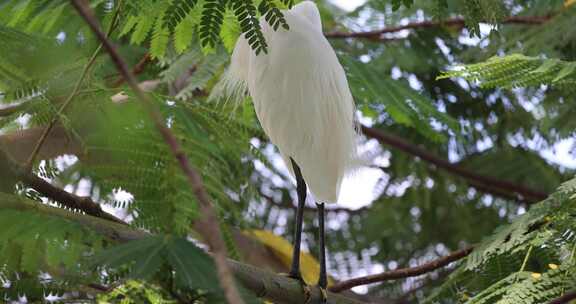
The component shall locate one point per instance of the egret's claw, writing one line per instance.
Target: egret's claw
(323, 295)
(307, 292)
(305, 288)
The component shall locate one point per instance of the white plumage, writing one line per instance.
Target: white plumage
(301, 97)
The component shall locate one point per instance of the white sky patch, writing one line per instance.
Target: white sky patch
(485, 30)
(348, 5)
(562, 153)
(358, 190)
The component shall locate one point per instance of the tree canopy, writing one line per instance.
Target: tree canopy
(121, 182)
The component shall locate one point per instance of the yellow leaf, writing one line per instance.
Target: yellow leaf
(309, 266)
(553, 266)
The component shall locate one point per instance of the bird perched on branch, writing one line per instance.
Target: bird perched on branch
(304, 104)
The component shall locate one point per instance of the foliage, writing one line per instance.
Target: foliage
(135, 160)
(158, 22)
(515, 71)
(191, 266)
(532, 260)
(401, 102)
(133, 292)
(32, 242)
(475, 11)
(499, 111)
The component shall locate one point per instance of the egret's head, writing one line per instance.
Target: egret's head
(309, 10)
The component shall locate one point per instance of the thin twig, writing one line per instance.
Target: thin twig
(526, 20)
(70, 97)
(427, 282)
(521, 192)
(403, 272)
(210, 228)
(524, 262)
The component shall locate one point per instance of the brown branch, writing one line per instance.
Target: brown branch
(11, 110)
(427, 282)
(566, 298)
(486, 183)
(208, 224)
(403, 272)
(137, 69)
(458, 21)
(289, 204)
(66, 199)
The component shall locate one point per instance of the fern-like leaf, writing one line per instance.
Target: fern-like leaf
(246, 14)
(517, 70)
(272, 15)
(212, 18)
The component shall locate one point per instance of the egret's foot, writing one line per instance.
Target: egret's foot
(323, 295)
(307, 292)
(305, 287)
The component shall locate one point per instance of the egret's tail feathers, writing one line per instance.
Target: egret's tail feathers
(233, 86)
(230, 88)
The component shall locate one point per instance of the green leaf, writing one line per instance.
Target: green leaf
(160, 39)
(144, 256)
(183, 34)
(566, 71)
(192, 267)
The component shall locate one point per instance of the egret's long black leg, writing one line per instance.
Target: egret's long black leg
(301, 189)
(322, 279)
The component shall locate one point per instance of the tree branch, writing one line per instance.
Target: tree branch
(66, 199)
(290, 204)
(279, 289)
(137, 69)
(485, 183)
(566, 298)
(403, 272)
(11, 110)
(458, 21)
(114, 231)
(264, 284)
(18, 143)
(208, 224)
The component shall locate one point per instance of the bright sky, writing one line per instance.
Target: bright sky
(349, 5)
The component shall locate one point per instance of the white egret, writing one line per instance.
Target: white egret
(304, 104)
